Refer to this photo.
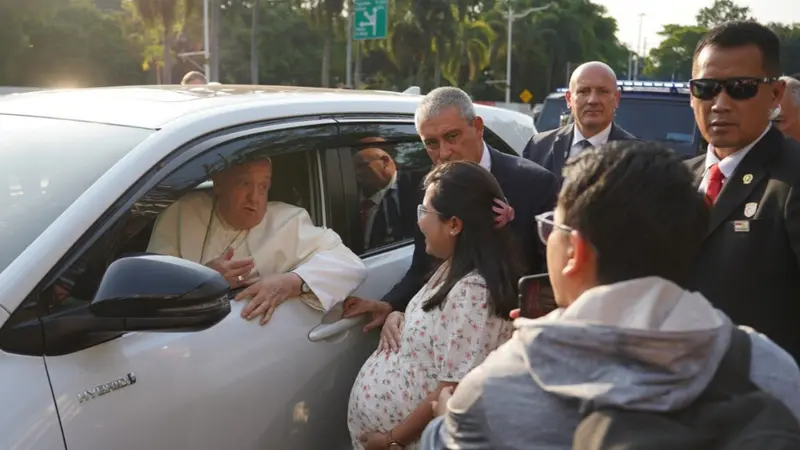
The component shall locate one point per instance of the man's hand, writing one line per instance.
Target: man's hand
(391, 331)
(266, 294)
(377, 310)
(439, 406)
(231, 268)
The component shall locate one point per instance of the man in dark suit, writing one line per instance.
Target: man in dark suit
(749, 263)
(450, 130)
(593, 97)
(387, 196)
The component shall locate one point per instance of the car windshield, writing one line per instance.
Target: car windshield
(668, 122)
(551, 114)
(45, 165)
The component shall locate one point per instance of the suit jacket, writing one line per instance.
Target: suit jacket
(396, 215)
(286, 240)
(548, 149)
(749, 263)
(529, 189)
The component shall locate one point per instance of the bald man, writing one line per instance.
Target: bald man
(383, 193)
(593, 97)
(789, 119)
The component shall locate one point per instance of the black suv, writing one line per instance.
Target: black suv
(650, 110)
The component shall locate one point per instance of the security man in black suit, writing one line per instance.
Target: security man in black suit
(451, 130)
(387, 195)
(749, 264)
(592, 97)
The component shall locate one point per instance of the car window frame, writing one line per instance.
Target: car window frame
(165, 168)
(343, 203)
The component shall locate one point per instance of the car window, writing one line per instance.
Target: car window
(388, 177)
(549, 118)
(45, 165)
(668, 122)
(75, 281)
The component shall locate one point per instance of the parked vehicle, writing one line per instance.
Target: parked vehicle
(106, 365)
(652, 111)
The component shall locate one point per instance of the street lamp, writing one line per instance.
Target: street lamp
(511, 18)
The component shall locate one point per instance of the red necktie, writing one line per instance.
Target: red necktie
(366, 205)
(715, 179)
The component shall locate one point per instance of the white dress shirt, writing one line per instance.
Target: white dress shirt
(486, 158)
(597, 140)
(728, 164)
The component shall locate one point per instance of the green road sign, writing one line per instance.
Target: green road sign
(370, 19)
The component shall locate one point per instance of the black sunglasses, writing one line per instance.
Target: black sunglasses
(741, 88)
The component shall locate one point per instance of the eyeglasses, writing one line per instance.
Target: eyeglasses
(545, 224)
(741, 88)
(422, 210)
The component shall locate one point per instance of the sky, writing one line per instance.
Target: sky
(660, 12)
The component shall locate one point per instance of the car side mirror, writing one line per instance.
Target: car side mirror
(161, 293)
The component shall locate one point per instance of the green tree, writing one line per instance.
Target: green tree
(166, 16)
(672, 59)
(720, 12)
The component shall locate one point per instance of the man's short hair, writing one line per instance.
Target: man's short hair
(193, 76)
(792, 89)
(636, 203)
(440, 99)
(743, 33)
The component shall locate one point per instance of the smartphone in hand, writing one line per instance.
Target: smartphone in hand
(532, 303)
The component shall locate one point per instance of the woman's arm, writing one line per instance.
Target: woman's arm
(411, 428)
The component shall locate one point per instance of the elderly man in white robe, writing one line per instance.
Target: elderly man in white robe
(270, 248)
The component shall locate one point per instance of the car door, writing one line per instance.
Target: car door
(29, 417)
(385, 246)
(235, 385)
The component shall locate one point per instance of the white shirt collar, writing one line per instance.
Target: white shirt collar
(486, 158)
(728, 164)
(377, 197)
(597, 140)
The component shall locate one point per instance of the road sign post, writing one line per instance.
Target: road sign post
(370, 19)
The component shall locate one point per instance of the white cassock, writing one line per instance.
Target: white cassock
(284, 241)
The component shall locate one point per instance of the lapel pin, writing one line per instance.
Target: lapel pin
(747, 178)
(750, 209)
(741, 226)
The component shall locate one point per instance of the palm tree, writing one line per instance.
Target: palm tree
(471, 46)
(164, 14)
(327, 14)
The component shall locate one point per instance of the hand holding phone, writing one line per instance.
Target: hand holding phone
(535, 296)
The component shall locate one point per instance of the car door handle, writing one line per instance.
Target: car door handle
(326, 331)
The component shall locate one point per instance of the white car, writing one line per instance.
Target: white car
(84, 173)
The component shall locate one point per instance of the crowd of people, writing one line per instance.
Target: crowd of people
(674, 283)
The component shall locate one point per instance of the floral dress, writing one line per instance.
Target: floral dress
(441, 345)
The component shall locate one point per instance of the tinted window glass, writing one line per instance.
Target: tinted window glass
(551, 114)
(389, 178)
(669, 122)
(45, 165)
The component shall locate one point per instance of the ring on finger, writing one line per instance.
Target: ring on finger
(240, 278)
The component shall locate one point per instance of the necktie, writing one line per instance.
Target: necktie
(583, 144)
(715, 179)
(366, 205)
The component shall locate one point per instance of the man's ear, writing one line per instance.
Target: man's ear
(579, 254)
(568, 99)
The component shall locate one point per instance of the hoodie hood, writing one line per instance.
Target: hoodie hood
(643, 344)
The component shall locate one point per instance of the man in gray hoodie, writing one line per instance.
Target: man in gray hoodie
(627, 224)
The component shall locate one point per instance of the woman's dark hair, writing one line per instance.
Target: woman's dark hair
(466, 190)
